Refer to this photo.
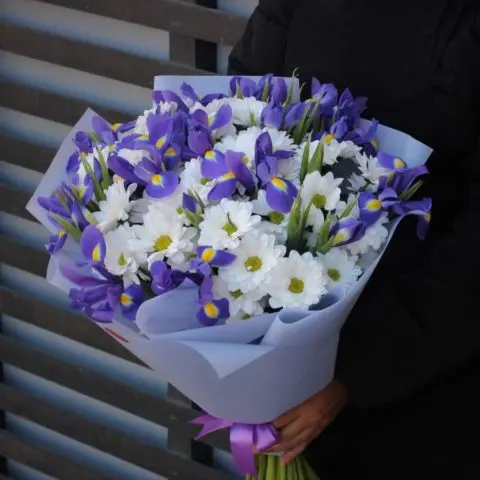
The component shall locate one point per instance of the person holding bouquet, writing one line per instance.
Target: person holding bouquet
(405, 400)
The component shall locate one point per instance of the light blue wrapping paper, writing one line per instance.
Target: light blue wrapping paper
(250, 371)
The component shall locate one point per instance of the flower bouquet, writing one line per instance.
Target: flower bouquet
(224, 236)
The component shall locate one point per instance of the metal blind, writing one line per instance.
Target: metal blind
(73, 403)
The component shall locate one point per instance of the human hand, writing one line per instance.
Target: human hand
(303, 424)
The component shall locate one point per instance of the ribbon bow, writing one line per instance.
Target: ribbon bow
(244, 438)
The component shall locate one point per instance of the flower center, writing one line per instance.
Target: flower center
(328, 138)
(230, 228)
(96, 253)
(236, 294)
(245, 160)
(246, 316)
(122, 261)
(279, 184)
(161, 142)
(276, 217)
(334, 274)
(340, 237)
(180, 210)
(157, 179)
(253, 264)
(162, 243)
(319, 200)
(211, 310)
(205, 181)
(374, 205)
(208, 254)
(296, 285)
(125, 299)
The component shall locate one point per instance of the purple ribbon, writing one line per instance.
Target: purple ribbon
(244, 438)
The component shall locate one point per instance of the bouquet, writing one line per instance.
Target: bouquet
(225, 235)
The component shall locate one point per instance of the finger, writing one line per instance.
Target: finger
(295, 442)
(286, 418)
(291, 455)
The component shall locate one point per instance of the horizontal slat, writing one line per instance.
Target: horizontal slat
(102, 438)
(61, 322)
(25, 154)
(13, 201)
(51, 105)
(159, 410)
(88, 58)
(17, 449)
(22, 257)
(175, 16)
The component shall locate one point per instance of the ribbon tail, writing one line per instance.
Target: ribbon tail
(265, 437)
(241, 442)
(209, 424)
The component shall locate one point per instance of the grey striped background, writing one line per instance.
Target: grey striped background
(75, 404)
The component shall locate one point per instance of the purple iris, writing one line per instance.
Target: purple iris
(208, 257)
(245, 86)
(227, 169)
(219, 119)
(211, 310)
(130, 300)
(326, 94)
(189, 92)
(365, 138)
(346, 231)
(264, 149)
(402, 180)
(104, 131)
(164, 140)
(390, 162)
(420, 208)
(200, 139)
(165, 278)
(168, 96)
(280, 192)
(337, 131)
(372, 206)
(273, 115)
(56, 242)
(350, 107)
(159, 183)
(93, 245)
(83, 142)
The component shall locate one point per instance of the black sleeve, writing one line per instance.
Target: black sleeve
(262, 47)
(413, 326)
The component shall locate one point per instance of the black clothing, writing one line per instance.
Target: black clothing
(410, 352)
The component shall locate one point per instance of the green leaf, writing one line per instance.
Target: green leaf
(239, 93)
(107, 180)
(195, 195)
(95, 137)
(291, 87)
(293, 225)
(410, 192)
(253, 122)
(317, 159)
(349, 209)
(194, 218)
(323, 234)
(71, 229)
(99, 193)
(297, 134)
(305, 160)
(265, 92)
(310, 118)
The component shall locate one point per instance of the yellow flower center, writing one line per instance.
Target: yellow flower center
(319, 200)
(279, 184)
(210, 155)
(122, 261)
(161, 142)
(328, 138)
(374, 205)
(96, 253)
(253, 264)
(205, 181)
(162, 243)
(339, 237)
(236, 294)
(245, 160)
(170, 152)
(157, 179)
(334, 274)
(296, 285)
(227, 176)
(211, 310)
(230, 228)
(374, 143)
(125, 299)
(398, 163)
(208, 254)
(180, 210)
(276, 217)
(61, 233)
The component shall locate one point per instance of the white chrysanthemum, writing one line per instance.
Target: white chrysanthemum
(163, 235)
(141, 123)
(224, 224)
(277, 222)
(191, 179)
(133, 157)
(211, 109)
(120, 259)
(247, 111)
(297, 281)
(335, 149)
(244, 143)
(369, 168)
(240, 303)
(116, 207)
(357, 182)
(324, 194)
(341, 268)
(256, 256)
(374, 238)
